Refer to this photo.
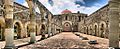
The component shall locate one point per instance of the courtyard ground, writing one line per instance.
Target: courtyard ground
(68, 40)
(19, 42)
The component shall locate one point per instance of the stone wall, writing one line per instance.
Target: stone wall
(22, 20)
(72, 18)
(96, 24)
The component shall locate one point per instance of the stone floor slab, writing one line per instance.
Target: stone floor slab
(67, 40)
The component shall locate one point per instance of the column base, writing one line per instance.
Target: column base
(49, 36)
(10, 47)
(31, 42)
(32, 38)
(43, 37)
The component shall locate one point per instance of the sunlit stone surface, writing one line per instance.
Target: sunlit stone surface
(20, 26)
(68, 40)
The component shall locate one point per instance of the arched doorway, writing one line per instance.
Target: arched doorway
(28, 32)
(67, 27)
(43, 28)
(75, 28)
(102, 30)
(95, 30)
(87, 31)
(17, 31)
(90, 30)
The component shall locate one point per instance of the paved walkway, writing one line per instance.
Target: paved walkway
(67, 40)
(62, 40)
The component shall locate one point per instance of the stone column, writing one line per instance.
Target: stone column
(52, 29)
(43, 13)
(114, 23)
(9, 29)
(32, 33)
(49, 25)
(55, 30)
(32, 21)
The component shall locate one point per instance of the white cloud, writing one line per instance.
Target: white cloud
(81, 1)
(25, 4)
(36, 8)
(60, 5)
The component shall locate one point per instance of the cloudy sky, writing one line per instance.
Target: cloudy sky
(57, 6)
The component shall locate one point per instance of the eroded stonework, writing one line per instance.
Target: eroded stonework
(96, 24)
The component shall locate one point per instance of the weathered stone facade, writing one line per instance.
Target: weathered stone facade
(18, 21)
(70, 21)
(21, 21)
(96, 24)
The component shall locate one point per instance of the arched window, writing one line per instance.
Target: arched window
(66, 18)
(17, 31)
(95, 30)
(79, 19)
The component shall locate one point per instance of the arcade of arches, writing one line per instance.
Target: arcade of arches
(17, 30)
(32, 23)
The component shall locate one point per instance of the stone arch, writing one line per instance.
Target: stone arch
(43, 28)
(102, 29)
(87, 30)
(82, 29)
(18, 26)
(67, 27)
(27, 24)
(2, 21)
(90, 29)
(66, 21)
(95, 29)
(2, 28)
(27, 28)
(75, 28)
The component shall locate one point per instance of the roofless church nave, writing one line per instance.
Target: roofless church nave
(23, 28)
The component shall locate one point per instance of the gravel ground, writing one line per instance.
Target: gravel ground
(68, 40)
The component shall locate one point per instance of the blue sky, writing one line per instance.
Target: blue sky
(57, 6)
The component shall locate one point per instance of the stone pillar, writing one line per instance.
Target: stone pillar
(9, 29)
(32, 21)
(32, 33)
(49, 25)
(114, 23)
(55, 30)
(52, 29)
(49, 30)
